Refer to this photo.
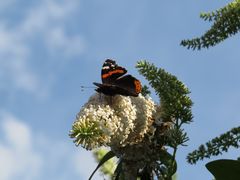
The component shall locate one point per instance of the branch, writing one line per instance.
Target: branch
(226, 22)
(216, 146)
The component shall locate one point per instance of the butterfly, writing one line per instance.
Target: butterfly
(114, 82)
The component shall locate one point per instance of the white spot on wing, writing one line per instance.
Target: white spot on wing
(105, 67)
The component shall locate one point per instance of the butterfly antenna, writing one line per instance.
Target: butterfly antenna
(86, 87)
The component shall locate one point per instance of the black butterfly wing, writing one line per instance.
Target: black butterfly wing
(113, 81)
(111, 71)
(128, 85)
(108, 89)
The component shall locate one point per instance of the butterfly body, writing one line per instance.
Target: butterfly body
(114, 82)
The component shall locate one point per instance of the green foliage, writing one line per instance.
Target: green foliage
(216, 146)
(170, 164)
(225, 169)
(176, 108)
(109, 166)
(226, 22)
(145, 91)
(176, 136)
(173, 93)
(147, 156)
(118, 170)
(105, 158)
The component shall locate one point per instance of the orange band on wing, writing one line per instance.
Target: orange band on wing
(138, 86)
(112, 72)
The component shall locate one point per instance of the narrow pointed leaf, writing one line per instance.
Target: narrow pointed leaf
(167, 159)
(105, 158)
(118, 170)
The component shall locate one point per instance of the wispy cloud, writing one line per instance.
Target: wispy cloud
(58, 41)
(49, 20)
(18, 159)
(44, 24)
(27, 154)
(46, 14)
(13, 56)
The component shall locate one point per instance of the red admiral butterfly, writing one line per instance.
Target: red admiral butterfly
(113, 81)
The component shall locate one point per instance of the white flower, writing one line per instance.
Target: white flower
(145, 109)
(113, 121)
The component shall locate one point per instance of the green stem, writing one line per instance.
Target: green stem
(178, 126)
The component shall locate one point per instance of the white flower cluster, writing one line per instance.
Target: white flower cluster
(113, 121)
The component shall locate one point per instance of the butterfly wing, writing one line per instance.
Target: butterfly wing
(106, 89)
(128, 85)
(111, 71)
(113, 81)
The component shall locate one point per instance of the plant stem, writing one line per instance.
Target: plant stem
(129, 170)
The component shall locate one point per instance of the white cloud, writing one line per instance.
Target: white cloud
(13, 56)
(47, 14)
(49, 20)
(18, 160)
(16, 133)
(44, 23)
(27, 154)
(11, 43)
(15, 73)
(58, 41)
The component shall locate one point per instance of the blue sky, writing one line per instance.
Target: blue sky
(49, 48)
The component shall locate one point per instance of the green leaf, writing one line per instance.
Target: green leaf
(225, 23)
(105, 158)
(145, 91)
(224, 169)
(168, 160)
(216, 146)
(173, 94)
(118, 170)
